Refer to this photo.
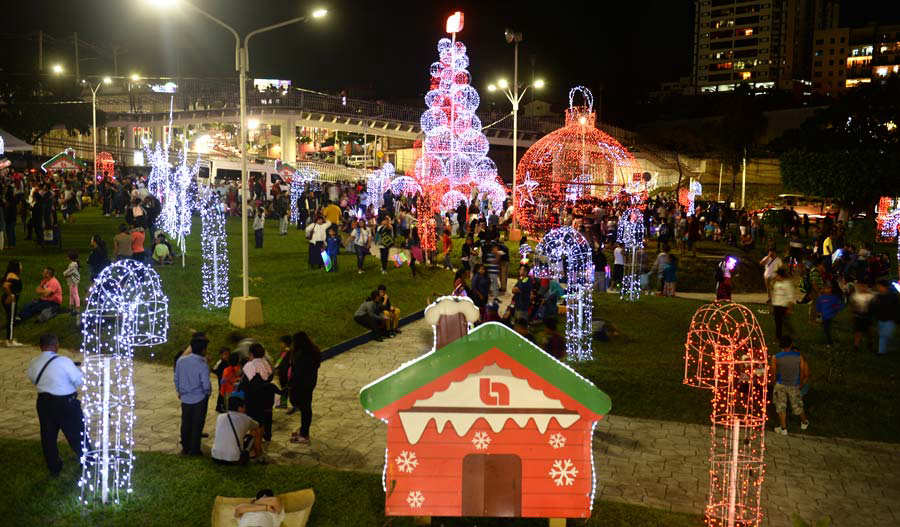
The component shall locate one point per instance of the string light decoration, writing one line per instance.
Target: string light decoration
(570, 166)
(888, 220)
(214, 246)
(105, 167)
(630, 233)
(454, 151)
(377, 183)
(126, 308)
(565, 255)
(686, 196)
(725, 352)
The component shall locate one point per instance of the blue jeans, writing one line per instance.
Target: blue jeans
(36, 306)
(885, 332)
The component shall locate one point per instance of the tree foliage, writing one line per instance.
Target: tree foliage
(32, 105)
(850, 151)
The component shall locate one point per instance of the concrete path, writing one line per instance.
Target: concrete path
(655, 463)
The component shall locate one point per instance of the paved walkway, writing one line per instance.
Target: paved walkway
(656, 463)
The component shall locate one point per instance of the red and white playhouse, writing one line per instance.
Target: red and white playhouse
(489, 425)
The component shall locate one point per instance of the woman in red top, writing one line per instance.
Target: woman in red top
(230, 377)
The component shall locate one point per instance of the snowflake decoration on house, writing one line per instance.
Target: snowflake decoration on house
(481, 440)
(415, 499)
(557, 441)
(563, 472)
(406, 462)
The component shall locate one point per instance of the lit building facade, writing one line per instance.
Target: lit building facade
(764, 43)
(845, 58)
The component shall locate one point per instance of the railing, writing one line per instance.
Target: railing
(198, 95)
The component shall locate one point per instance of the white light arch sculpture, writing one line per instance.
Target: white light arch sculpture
(566, 253)
(125, 309)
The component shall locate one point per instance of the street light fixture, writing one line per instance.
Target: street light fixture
(246, 311)
(106, 80)
(57, 69)
(515, 97)
(135, 77)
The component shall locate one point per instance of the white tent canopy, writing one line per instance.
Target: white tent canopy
(11, 143)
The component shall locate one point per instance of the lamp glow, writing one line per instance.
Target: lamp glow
(135, 77)
(539, 83)
(503, 84)
(492, 87)
(252, 124)
(107, 80)
(57, 69)
(319, 13)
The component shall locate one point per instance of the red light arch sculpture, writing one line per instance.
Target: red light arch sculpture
(725, 352)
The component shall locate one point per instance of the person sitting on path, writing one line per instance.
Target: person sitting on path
(50, 297)
(193, 388)
(161, 254)
(265, 511)
(369, 315)
(390, 313)
(238, 436)
(57, 380)
(122, 244)
(791, 373)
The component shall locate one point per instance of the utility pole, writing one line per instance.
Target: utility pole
(77, 68)
(40, 50)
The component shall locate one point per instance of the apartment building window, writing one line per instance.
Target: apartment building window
(831, 62)
(818, 74)
(831, 74)
(842, 39)
(831, 40)
(841, 51)
(831, 51)
(820, 41)
(817, 63)
(819, 53)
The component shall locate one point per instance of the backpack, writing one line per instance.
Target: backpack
(386, 239)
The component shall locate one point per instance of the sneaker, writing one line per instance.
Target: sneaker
(14, 343)
(383, 272)
(804, 425)
(359, 272)
(782, 431)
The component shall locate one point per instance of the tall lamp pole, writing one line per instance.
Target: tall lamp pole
(106, 80)
(246, 311)
(515, 97)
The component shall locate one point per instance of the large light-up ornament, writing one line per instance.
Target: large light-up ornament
(888, 219)
(126, 308)
(565, 255)
(570, 167)
(686, 196)
(214, 246)
(630, 234)
(725, 351)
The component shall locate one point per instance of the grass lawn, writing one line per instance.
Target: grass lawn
(642, 370)
(170, 490)
(294, 298)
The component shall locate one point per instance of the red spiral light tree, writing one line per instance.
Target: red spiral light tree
(570, 166)
(725, 352)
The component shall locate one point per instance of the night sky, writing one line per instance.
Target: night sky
(383, 49)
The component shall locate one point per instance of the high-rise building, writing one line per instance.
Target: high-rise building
(766, 44)
(845, 58)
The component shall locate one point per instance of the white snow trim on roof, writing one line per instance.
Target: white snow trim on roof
(506, 391)
(451, 305)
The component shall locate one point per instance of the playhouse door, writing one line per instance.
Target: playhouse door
(492, 485)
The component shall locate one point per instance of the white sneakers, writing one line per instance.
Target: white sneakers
(783, 431)
(12, 343)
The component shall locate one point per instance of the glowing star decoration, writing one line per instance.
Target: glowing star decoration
(214, 245)
(631, 235)
(686, 196)
(725, 352)
(126, 308)
(526, 190)
(574, 166)
(484, 412)
(565, 255)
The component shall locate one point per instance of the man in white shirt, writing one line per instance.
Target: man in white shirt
(235, 432)
(771, 262)
(57, 380)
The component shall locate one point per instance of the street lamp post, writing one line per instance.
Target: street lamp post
(515, 97)
(106, 80)
(246, 311)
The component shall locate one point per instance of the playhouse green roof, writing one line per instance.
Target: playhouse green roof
(431, 366)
